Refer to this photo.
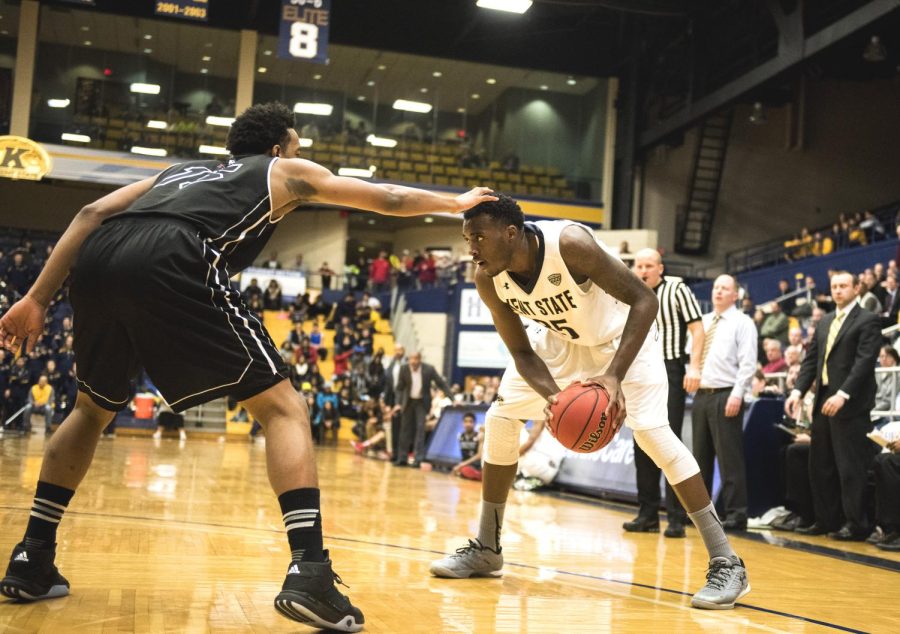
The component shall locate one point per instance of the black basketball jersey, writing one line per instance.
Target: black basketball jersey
(228, 202)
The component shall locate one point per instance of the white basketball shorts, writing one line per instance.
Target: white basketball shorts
(646, 387)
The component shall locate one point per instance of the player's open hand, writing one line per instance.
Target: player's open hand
(615, 411)
(24, 320)
(474, 197)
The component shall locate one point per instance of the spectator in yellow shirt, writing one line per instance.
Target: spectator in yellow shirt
(40, 401)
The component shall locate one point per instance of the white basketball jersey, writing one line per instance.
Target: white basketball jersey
(586, 315)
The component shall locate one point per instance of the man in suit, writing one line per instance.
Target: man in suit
(392, 399)
(841, 361)
(891, 303)
(414, 392)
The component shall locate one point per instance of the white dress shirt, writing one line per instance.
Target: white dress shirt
(415, 387)
(731, 360)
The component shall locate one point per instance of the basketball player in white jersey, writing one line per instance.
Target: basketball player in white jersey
(593, 321)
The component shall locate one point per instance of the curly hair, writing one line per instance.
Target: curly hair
(504, 210)
(260, 127)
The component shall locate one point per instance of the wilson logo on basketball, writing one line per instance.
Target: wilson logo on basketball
(555, 279)
(594, 436)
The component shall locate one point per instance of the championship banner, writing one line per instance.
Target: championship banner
(22, 158)
(197, 10)
(303, 34)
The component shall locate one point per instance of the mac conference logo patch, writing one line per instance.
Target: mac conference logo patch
(555, 279)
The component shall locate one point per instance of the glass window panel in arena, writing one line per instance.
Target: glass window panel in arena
(443, 123)
(9, 29)
(119, 83)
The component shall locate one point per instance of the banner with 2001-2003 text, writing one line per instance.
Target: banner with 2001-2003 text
(303, 34)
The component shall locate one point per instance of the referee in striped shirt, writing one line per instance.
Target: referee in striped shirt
(679, 313)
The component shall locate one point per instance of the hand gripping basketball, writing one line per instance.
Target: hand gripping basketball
(581, 419)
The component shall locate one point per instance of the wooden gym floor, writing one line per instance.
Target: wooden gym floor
(170, 537)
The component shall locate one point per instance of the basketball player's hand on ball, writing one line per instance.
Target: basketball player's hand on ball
(474, 197)
(25, 319)
(616, 408)
(548, 415)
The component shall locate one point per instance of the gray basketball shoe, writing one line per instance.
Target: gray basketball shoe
(726, 582)
(472, 560)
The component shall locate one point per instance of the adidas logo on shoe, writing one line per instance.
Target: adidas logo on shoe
(22, 556)
(293, 570)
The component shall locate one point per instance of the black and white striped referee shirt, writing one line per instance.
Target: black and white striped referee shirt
(677, 308)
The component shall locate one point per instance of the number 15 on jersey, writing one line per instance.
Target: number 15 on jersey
(303, 35)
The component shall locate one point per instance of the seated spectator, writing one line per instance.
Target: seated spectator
(795, 340)
(887, 491)
(856, 237)
(272, 297)
(427, 272)
(867, 299)
(788, 304)
(328, 421)
(375, 443)
(318, 307)
(871, 278)
(252, 291)
(272, 262)
(761, 387)
(775, 325)
(872, 227)
(884, 396)
(470, 446)
(19, 274)
(40, 401)
(793, 355)
(891, 303)
(477, 395)
(823, 244)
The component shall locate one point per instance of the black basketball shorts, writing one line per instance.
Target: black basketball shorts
(149, 293)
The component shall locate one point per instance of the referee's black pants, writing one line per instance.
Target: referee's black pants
(717, 435)
(647, 472)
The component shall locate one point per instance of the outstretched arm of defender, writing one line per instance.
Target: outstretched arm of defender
(300, 181)
(530, 366)
(26, 317)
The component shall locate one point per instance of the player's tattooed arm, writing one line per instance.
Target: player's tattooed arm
(296, 181)
(585, 259)
(509, 326)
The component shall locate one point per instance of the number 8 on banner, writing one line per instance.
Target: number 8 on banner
(304, 40)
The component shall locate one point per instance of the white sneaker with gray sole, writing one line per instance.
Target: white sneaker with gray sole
(726, 582)
(472, 560)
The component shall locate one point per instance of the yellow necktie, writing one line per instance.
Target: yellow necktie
(707, 340)
(832, 335)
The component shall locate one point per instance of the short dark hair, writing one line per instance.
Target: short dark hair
(469, 415)
(260, 127)
(504, 209)
(891, 352)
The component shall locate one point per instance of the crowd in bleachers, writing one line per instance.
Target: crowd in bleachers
(417, 158)
(42, 381)
(850, 230)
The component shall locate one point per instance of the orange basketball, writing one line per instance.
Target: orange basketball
(579, 422)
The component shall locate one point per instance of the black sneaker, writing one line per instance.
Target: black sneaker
(310, 596)
(31, 575)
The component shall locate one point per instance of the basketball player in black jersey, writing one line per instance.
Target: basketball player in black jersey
(150, 265)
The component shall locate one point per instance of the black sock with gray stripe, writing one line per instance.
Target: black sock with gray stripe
(303, 522)
(50, 502)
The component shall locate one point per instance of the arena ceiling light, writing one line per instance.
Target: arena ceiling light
(149, 151)
(358, 172)
(412, 106)
(145, 89)
(320, 109)
(511, 6)
(58, 103)
(213, 149)
(222, 121)
(77, 138)
(306, 142)
(379, 141)
(157, 125)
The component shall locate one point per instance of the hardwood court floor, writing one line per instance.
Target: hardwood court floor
(170, 538)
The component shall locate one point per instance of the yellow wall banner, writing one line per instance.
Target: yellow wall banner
(22, 158)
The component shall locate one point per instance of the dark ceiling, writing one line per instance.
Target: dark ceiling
(580, 37)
